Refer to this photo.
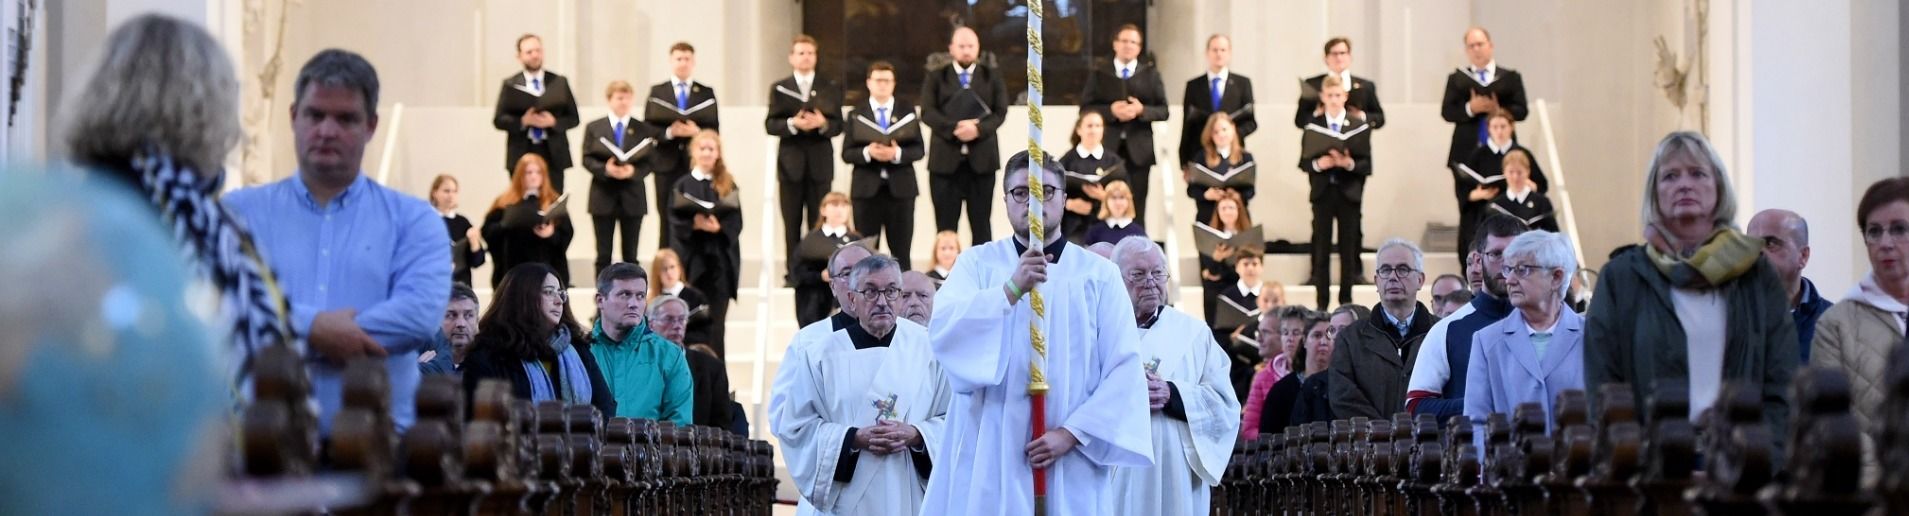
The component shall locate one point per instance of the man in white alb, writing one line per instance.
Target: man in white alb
(856, 409)
(1096, 417)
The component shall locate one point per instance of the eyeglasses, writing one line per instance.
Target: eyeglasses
(1157, 276)
(671, 320)
(556, 293)
(1521, 271)
(1020, 193)
(889, 293)
(1396, 272)
(1875, 234)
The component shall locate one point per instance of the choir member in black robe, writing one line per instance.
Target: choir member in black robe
(1235, 99)
(1089, 166)
(1118, 219)
(514, 242)
(679, 108)
(1216, 269)
(1522, 198)
(669, 281)
(706, 220)
(1475, 91)
(1479, 178)
(616, 152)
(813, 300)
(1223, 162)
(1130, 97)
(467, 244)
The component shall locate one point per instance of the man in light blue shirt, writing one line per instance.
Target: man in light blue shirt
(364, 266)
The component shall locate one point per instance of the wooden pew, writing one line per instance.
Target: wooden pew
(1825, 449)
(1738, 453)
(1618, 453)
(1670, 455)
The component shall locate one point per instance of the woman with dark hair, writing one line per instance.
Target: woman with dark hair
(706, 230)
(546, 243)
(1696, 305)
(530, 338)
(1090, 167)
(1311, 402)
(467, 245)
(1860, 333)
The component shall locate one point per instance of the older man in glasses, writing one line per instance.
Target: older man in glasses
(1373, 358)
(858, 411)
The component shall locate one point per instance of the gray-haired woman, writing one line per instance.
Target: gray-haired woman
(1695, 304)
(159, 115)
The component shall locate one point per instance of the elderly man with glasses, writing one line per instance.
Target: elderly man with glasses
(1373, 358)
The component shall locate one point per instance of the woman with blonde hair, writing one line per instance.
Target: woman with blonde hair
(1523, 198)
(833, 229)
(706, 229)
(1216, 270)
(947, 248)
(1118, 216)
(1223, 156)
(667, 279)
(159, 115)
(515, 243)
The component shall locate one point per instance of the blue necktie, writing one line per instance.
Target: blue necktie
(1335, 126)
(537, 133)
(682, 96)
(881, 118)
(618, 129)
(1126, 73)
(964, 79)
(1214, 92)
(1484, 132)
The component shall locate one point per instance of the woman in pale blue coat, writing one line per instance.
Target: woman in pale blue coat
(1537, 351)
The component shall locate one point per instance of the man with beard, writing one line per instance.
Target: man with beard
(1194, 413)
(1438, 379)
(846, 405)
(455, 335)
(647, 375)
(917, 297)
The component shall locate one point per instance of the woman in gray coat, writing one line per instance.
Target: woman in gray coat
(1695, 305)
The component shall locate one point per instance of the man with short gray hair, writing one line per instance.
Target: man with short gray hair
(917, 297)
(1189, 390)
(1786, 244)
(847, 404)
(1373, 358)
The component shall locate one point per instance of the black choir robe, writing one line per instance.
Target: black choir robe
(472, 258)
(1202, 208)
(938, 94)
(516, 246)
(1507, 84)
(1235, 97)
(1483, 166)
(704, 253)
(618, 197)
(1074, 226)
(1534, 210)
(1132, 139)
(1364, 96)
(512, 101)
(813, 300)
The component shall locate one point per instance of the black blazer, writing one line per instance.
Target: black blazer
(866, 179)
(1510, 87)
(938, 91)
(806, 154)
(1363, 95)
(672, 154)
(1350, 184)
(457, 225)
(611, 196)
(510, 113)
(701, 251)
(1490, 165)
(1197, 104)
(1135, 136)
(487, 362)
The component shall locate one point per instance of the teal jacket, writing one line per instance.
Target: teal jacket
(648, 375)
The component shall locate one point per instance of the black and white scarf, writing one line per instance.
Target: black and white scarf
(252, 308)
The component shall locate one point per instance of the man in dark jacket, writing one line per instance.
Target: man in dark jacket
(1372, 359)
(1786, 244)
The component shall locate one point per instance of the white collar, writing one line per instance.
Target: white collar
(834, 231)
(1495, 149)
(889, 105)
(1535, 331)
(1340, 119)
(1129, 66)
(700, 175)
(1345, 77)
(1491, 69)
(968, 69)
(1517, 196)
(1083, 152)
(625, 119)
(448, 214)
(805, 78)
(1254, 291)
(1221, 76)
(676, 290)
(1226, 153)
(943, 271)
(682, 82)
(537, 75)
(1119, 223)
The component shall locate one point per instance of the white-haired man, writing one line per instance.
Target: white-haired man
(1373, 358)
